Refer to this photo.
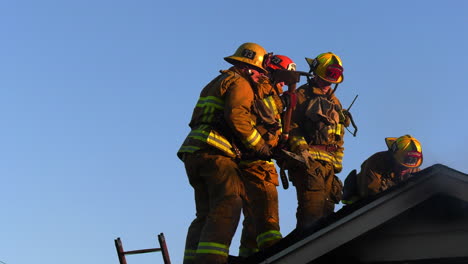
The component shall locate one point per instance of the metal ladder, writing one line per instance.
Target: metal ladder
(163, 248)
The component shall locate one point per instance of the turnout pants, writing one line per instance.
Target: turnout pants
(261, 219)
(216, 181)
(313, 189)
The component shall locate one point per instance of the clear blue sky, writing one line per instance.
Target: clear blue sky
(95, 98)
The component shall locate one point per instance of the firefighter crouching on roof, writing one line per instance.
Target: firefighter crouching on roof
(221, 115)
(261, 227)
(317, 134)
(384, 169)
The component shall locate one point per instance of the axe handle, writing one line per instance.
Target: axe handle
(284, 179)
(285, 135)
(288, 114)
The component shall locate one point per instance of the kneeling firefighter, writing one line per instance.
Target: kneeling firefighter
(384, 169)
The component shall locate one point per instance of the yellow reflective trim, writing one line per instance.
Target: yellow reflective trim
(250, 162)
(335, 158)
(211, 101)
(351, 199)
(340, 127)
(212, 248)
(189, 149)
(199, 134)
(211, 251)
(321, 154)
(189, 254)
(208, 110)
(220, 142)
(270, 103)
(245, 252)
(210, 105)
(268, 236)
(212, 138)
(208, 115)
(213, 244)
(208, 118)
(254, 138)
(296, 142)
(335, 129)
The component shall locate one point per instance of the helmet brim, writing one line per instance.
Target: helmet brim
(234, 60)
(310, 62)
(389, 141)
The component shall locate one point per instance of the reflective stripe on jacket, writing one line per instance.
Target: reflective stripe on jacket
(205, 133)
(222, 113)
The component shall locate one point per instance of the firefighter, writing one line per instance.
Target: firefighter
(261, 227)
(384, 169)
(221, 122)
(317, 134)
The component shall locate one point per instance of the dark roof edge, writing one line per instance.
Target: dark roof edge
(420, 177)
(440, 167)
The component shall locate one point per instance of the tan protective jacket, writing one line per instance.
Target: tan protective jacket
(222, 115)
(266, 111)
(318, 126)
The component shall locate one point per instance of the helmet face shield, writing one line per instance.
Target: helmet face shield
(327, 66)
(333, 73)
(412, 159)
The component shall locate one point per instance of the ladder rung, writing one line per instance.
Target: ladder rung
(139, 251)
(162, 242)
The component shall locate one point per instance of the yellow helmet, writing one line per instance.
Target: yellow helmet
(406, 150)
(327, 66)
(249, 53)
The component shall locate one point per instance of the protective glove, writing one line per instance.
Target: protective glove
(289, 99)
(345, 117)
(264, 152)
(308, 159)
